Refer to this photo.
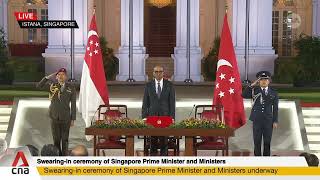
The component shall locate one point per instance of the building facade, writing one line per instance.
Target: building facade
(160, 32)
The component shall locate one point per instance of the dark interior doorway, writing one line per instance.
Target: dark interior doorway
(160, 29)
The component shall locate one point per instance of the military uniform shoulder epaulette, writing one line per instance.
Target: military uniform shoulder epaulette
(272, 88)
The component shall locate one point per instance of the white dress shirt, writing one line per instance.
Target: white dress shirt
(62, 87)
(266, 88)
(156, 84)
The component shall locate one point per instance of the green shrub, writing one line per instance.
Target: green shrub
(6, 72)
(209, 66)
(110, 62)
(27, 69)
(308, 59)
(285, 70)
(3, 44)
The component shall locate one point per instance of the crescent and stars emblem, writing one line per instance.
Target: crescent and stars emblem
(223, 62)
(92, 33)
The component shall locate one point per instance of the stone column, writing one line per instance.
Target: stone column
(180, 51)
(58, 52)
(139, 51)
(4, 16)
(316, 18)
(261, 52)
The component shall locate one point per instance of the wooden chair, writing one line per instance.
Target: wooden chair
(173, 143)
(210, 142)
(111, 142)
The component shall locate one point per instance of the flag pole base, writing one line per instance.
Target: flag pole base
(188, 81)
(72, 80)
(247, 81)
(131, 80)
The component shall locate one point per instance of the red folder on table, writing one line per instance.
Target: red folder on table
(159, 121)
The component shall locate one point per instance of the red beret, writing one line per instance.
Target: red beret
(62, 70)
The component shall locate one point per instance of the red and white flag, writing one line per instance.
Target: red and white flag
(93, 88)
(228, 88)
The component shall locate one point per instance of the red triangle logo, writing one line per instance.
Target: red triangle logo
(20, 155)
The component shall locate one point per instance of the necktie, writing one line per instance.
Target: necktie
(265, 91)
(159, 90)
(61, 88)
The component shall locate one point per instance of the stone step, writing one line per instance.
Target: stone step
(311, 112)
(312, 125)
(4, 127)
(5, 110)
(4, 118)
(312, 129)
(3, 131)
(313, 137)
(159, 60)
(308, 120)
(313, 133)
(155, 59)
(3, 135)
(314, 142)
(314, 147)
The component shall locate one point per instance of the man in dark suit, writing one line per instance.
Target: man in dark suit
(62, 95)
(159, 100)
(264, 113)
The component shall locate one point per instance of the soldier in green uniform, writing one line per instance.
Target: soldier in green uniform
(62, 110)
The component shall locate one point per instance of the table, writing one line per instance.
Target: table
(188, 133)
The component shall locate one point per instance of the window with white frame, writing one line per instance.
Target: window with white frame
(44, 32)
(32, 33)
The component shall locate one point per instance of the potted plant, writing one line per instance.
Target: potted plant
(209, 65)
(110, 61)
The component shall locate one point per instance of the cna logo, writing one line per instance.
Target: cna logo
(22, 168)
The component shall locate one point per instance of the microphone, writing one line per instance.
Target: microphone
(191, 110)
(94, 115)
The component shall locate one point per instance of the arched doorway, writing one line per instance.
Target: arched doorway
(160, 35)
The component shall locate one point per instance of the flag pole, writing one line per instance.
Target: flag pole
(246, 47)
(72, 79)
(188, 80)
(130, 78)
(221, 105)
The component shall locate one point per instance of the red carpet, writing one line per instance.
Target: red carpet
(305, 104)
(9, 103)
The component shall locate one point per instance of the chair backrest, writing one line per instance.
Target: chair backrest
(209, 112)
(114, 111)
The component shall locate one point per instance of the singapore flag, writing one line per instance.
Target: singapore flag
(93, 88)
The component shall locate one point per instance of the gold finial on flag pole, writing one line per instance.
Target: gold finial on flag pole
(94, 9)
(226, 6)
